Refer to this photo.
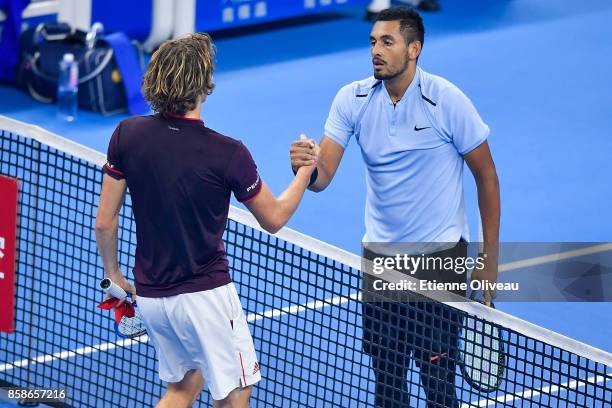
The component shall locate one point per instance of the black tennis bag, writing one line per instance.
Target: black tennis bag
(100, 86)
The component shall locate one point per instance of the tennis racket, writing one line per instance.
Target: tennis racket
(128, 320)
(482, 353)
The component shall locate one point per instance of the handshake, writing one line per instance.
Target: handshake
(304, 155)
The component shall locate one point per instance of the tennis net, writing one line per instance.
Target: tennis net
(301, 297)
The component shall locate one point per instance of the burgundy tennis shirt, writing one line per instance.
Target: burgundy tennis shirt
(180, 175)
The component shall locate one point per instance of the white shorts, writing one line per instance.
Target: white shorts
(205, 330)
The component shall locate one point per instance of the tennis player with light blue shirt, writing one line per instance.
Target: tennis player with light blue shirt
(414, 166)
(415, 131)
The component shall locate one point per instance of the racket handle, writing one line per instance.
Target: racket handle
(112, 289)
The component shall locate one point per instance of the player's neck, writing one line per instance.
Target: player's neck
(396, 87)
(195, 114)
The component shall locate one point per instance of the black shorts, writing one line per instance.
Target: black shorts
(425, 330)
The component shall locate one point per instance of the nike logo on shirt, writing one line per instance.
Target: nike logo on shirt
(418, 128)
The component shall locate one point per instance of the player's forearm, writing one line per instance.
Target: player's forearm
(327, 170)
(323, 179)
(490, 209)
(288, 201)
(106, 239)
(329, 159)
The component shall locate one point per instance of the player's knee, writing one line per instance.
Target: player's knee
(190, 386)
(238, 398)
(194, 383)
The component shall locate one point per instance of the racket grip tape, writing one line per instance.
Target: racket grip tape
(112, 289)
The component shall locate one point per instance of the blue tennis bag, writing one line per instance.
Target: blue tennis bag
(110, 67)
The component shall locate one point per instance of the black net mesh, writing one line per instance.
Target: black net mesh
(303, 308)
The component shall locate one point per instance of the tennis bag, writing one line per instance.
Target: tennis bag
(110, 67)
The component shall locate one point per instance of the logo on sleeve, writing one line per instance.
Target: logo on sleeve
(252, 186)
(256, 367)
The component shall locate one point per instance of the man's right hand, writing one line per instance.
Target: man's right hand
(273, 213)
(120, 280)
(303, 152)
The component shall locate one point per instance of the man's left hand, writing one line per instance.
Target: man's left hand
(487, 275)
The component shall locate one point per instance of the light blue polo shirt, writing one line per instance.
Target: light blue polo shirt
(413, 153)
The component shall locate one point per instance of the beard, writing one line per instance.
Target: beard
(386, 76)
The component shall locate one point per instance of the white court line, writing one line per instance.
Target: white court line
(349, 259)
(251, 317)
(293, 309)
(63, 355)
(551, 389)
(310, 244)
(540, 260)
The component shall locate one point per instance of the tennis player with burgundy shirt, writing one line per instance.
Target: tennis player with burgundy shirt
(181, 175)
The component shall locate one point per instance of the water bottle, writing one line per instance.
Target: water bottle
(67, 87)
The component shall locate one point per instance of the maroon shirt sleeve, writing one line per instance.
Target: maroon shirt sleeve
(241, 175)
(113, 165)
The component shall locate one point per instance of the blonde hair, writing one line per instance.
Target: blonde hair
(180, 74)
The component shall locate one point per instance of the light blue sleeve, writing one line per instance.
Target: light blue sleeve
(339, 125)
(461, 122)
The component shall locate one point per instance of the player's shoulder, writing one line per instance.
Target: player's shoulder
(137, 121)
(223, 143)
(353, 95)
(134, 126)
(221, 138)
(436, 88)
(359, 88)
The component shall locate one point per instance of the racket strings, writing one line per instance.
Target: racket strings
(132, 326)
(482, 353)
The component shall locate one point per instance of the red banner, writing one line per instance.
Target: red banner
(8, 245)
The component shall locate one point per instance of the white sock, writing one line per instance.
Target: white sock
(379, 5)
